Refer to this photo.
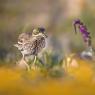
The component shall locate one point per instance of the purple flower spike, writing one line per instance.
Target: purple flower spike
(83, 30)
(76, 22)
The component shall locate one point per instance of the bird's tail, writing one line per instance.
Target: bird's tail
(15, 45)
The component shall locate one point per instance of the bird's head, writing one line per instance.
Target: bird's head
(39, 31)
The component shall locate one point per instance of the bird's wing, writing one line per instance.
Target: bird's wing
(20, 47)
(21, 35)
(24, 36)
(35, 45)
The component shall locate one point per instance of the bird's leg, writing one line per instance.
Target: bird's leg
(23, 57)
(33, 64)
(25, 63)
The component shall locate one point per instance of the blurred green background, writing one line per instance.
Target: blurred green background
(55, 15)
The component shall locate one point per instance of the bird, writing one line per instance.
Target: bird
(31, 43)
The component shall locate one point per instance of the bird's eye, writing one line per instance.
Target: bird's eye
(41, 30)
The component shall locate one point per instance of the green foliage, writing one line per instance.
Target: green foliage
(49, 64)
